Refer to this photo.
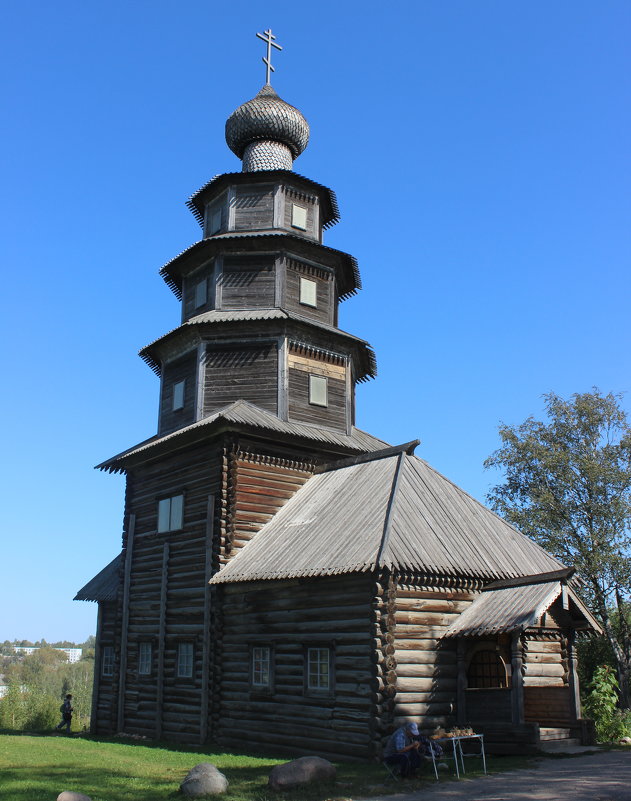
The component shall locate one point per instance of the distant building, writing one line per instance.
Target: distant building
(73, 654)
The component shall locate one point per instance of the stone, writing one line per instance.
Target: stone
(305, 770)
(204, 779)
(70, 795)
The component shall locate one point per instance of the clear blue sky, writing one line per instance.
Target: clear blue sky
(480, 153)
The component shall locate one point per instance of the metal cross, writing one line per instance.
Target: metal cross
(269, 38)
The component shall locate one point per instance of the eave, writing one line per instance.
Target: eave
(267, 321)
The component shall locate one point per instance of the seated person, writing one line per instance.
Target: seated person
(402, 749)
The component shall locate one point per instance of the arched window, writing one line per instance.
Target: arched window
(486, 669)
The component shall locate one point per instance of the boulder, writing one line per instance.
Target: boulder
(70, 795)
(305, 770)
(204, 779)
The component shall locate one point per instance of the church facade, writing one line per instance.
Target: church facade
(287, 580)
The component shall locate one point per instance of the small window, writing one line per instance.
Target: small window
(318, 669)
(214, 221)
(170, 513)
(144, 659)
(201, 293)
(178, 395)
(107, 661)
(261, 664)
(185, 660)
(318, 390)
(308, 292)
(299, 217)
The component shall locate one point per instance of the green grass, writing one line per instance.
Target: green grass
(38, 768)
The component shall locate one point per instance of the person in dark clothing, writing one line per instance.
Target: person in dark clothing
(66, 714)
(403, 750)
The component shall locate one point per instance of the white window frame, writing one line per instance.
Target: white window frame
(107, 661)
(201, 293)
(319, 669)
(144, 658)
(261, 667)
(170, 513)
(185, 657)
(298, 217)
(318, 387)
(308, 292)
(179, 390)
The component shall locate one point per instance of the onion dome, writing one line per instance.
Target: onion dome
(266, 132)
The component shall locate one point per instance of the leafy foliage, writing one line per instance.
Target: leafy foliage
(37, 685)
(568, 486)
(602, 706)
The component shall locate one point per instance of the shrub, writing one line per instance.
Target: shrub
(602, 704)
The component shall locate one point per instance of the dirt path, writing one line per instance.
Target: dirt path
(605, 776)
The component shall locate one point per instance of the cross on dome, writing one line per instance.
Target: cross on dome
(269, 37)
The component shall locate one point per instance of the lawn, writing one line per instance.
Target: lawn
(38, 768)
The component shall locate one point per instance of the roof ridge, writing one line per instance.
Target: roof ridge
(536, 578)
(385, 537)
(372, 456)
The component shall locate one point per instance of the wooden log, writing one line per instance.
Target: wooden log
(438, 671)
(425, 657)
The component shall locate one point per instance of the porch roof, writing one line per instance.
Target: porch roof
(104, 586)
(515, 608)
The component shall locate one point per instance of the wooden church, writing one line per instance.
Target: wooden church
(287, 580)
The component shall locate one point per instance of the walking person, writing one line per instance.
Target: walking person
(66, 714)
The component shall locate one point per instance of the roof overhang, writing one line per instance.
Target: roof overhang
(242, 417)
(257, 321)
(514, 605)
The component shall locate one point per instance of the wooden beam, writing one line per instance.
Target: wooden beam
(517, 688)
(206, 638)
(97, 670)
(161, 638)
(129, 555)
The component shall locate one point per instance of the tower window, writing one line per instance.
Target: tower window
(170, 513)
(201, 293)
(308, 292)
(144, 659)
(178, 395)
(318, 390)
(185, 660)
(298, 217)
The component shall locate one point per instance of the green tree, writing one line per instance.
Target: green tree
(568, 487)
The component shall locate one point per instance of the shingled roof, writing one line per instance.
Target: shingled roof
(244, 416)
(104, 586)
(391, 511)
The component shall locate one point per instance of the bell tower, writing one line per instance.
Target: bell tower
(260, 291)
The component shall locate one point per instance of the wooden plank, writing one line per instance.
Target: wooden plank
(206, 633)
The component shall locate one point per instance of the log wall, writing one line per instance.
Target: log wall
(253, 208)
(308, 202)
(324, 311)
(288, 616)
(545, 662)
(184, 369)
(105, 687)
(243, 373)
(425, 665)
(167, 595)
(248, 282)
(256, 486)
(333, 415)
